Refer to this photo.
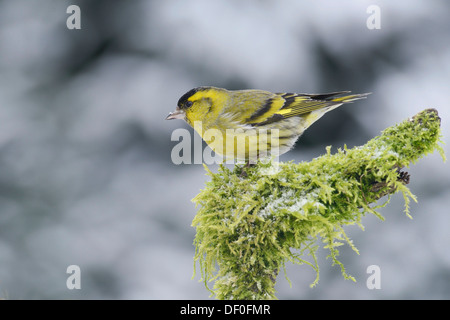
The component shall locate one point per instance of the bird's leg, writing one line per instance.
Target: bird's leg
(245, 167)
(244, 171)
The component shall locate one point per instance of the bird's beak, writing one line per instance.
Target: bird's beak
(177, 114)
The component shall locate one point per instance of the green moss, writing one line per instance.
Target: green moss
(249, 227)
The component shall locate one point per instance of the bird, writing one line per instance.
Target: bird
(254, 124)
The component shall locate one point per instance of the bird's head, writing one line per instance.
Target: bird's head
(198, 103)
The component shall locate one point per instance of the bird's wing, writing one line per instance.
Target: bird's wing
(285, 105)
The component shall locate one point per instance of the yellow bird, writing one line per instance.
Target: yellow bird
(254, 124)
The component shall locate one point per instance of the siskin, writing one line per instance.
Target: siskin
(253, 124)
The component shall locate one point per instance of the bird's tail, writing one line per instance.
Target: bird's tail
(351, 97)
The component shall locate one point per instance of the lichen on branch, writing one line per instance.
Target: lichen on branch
(249, 226)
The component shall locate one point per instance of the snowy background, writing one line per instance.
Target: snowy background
(86, 176)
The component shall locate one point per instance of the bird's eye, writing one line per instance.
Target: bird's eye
(188, 104)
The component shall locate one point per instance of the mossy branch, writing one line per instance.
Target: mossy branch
(249, 227)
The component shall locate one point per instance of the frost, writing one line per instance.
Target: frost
(274, 168)
(383, 150)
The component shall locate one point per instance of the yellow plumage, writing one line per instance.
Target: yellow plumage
(252, 124)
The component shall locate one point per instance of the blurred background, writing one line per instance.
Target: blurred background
(86, 176)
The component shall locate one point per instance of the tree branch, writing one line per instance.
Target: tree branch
(247, 227)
